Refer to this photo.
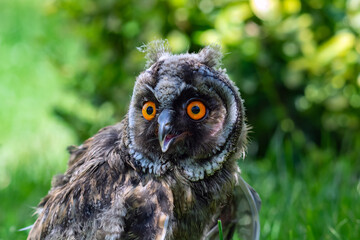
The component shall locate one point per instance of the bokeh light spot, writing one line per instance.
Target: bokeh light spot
(355, 101)
(131, 29)
(181, 14)
(207, 37)
(290, 49)
(249, 47)
(291, 6)
(337, 81)
(302, 104)
(287, 125)
(178, 41)
(206, 6)
(336, 103)
(349, 90)
(252, 29)
(266, 9)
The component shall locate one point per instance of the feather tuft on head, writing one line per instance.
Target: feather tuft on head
(155, 50)
(211, 56)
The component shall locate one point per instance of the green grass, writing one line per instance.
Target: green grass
(314, 197)
(221, 237)
(307, 191)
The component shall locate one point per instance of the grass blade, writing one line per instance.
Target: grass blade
(221, 237)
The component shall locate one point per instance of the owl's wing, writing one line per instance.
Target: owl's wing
(101, 197)
(240, 215)
(82, 194)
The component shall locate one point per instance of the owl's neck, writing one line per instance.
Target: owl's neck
(192, 169)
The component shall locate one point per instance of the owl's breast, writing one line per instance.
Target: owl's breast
(198, 205)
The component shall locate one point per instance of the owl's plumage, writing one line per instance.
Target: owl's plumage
(168, 170)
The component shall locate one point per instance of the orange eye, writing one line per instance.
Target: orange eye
(196, 110)
(149, 110)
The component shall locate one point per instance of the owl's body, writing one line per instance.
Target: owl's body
(168, 170)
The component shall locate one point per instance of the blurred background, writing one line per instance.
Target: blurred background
(67, 69)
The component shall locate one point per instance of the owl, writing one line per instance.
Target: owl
(168, 170)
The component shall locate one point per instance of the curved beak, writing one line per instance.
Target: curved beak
(165, 138)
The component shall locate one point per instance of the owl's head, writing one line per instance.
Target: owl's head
(185, 113)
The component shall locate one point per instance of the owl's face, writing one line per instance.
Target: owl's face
(186, 114)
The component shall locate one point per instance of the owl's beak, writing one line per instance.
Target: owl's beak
(165, 138)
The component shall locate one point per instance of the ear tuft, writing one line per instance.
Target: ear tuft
(211, 56)
(155, 50)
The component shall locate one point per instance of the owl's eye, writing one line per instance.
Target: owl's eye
(149, 110)
(196, 110)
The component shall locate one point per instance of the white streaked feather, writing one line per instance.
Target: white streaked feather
(166, 223)
(254, 218)
(26, 228)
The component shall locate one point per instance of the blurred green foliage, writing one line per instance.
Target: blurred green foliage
(32, 139)
(68, 67)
